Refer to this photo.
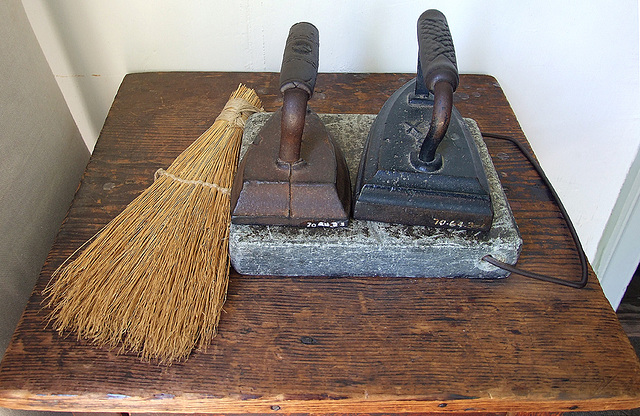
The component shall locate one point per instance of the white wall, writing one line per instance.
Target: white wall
(569, 68)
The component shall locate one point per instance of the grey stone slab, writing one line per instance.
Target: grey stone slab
(369, 248)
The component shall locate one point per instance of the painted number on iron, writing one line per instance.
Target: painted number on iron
(326, 224)
(452, 223)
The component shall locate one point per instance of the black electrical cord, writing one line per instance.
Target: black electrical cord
(583, 258)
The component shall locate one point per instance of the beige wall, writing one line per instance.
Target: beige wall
(42, 156)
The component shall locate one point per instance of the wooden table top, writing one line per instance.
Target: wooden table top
(379, 344)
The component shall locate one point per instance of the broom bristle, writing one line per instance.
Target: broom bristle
(154, 279)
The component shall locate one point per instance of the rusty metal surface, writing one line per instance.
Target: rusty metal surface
(428, 160)
(294, 174)
(314, 191)
(294, 108)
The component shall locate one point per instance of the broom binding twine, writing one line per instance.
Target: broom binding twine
(234, 112)
(161, 172)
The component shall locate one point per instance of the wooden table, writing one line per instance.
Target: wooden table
(378, 344)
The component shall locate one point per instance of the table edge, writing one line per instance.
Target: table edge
(23, 400)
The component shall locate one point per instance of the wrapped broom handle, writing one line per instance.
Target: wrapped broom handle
(439, 71)
(297, 81)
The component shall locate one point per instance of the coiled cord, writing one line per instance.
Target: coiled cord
(574, 235)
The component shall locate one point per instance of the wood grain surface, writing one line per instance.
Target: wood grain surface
(326, 345)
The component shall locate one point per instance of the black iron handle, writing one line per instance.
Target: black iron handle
(297, 80)
(438, 70)
(435, 50)
(300, 59)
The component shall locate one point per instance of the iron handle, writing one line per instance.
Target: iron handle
(435, 50)
(297, 81)
(438, 71)
(300, 59)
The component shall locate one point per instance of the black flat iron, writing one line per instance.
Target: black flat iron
(420, 165)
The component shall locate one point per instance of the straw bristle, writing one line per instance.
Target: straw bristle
(154, 279)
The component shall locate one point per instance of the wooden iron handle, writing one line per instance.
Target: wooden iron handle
(300, 59)
(435, 50)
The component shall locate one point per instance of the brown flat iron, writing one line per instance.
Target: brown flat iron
(293, 173)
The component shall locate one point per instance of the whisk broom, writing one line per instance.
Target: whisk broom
(154, 279)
